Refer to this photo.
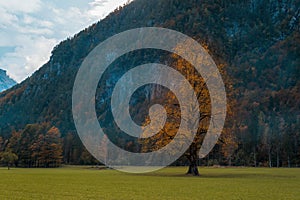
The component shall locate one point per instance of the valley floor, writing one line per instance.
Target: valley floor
(169, 183)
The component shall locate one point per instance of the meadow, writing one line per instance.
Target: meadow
(169, 183)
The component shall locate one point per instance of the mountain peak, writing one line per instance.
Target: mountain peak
(5, 81)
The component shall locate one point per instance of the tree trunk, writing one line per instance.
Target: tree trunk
(270, 158)
(8, 166)
(254, 157)
(278, 161)
(193, 158)
(193, 170)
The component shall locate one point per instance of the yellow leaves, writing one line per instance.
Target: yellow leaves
(173, 109)
(54, 131)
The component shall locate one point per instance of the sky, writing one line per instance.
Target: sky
(29, 29)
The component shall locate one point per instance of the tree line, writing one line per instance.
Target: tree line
(41, 145)
(37, 145)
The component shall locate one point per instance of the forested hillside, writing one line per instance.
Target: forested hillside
(257, 43)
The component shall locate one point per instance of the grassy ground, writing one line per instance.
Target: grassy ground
(170, 183)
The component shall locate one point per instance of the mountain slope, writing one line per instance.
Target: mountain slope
(5, 81)
(257, 41)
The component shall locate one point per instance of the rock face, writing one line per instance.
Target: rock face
(5, 81)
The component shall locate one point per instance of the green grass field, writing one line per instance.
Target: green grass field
(169, 183)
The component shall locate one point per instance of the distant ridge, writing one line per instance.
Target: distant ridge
(5, 81)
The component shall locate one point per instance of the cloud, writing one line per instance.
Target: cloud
(6, 18)
(24, 6)
(33, 27)
(28, 57)
(101, 8)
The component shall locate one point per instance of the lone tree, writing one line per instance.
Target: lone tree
(173, 110)
(9, 158)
